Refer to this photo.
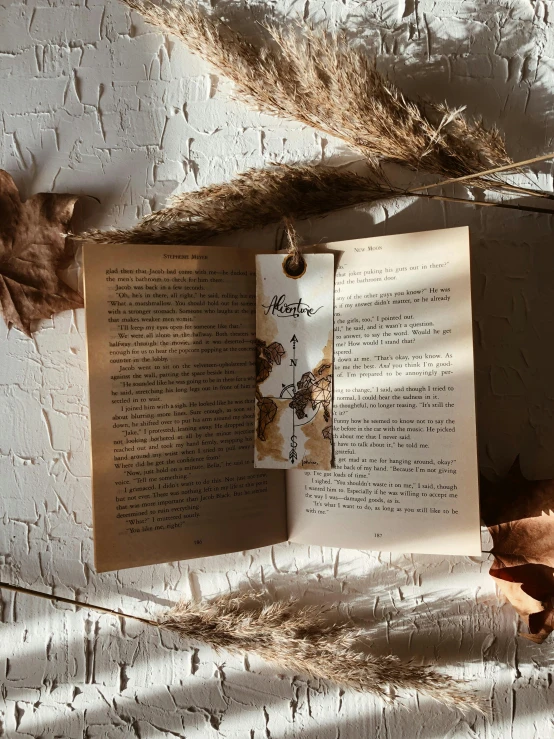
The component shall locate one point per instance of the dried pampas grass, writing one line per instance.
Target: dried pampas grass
(304, 641)
(253, 199)
(299, 639)
(258, 198)
(322, 81)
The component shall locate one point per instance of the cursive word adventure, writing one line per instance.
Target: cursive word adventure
(280, 308)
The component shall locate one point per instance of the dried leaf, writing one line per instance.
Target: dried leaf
(527, 541)
(267, 411)
(529, 589)
(33, 249)
(519, 514)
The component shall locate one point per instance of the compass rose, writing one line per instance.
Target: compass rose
(293, 455)
(290, 391)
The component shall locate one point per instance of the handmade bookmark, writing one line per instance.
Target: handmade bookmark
(294, 361)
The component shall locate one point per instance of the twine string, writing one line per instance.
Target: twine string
(295, 259)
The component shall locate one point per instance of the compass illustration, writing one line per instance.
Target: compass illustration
(305, 397)
(291, 391)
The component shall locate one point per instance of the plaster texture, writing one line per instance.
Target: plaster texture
(97, 103)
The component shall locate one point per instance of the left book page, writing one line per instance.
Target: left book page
(170, 336)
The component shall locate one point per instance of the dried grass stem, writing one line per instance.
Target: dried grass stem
(323, 81)
(258, 198)
(304, 641)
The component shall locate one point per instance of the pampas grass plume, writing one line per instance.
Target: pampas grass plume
(304, 641)
(322, 81)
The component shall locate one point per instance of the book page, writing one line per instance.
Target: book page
(405, 476)
(170, 333)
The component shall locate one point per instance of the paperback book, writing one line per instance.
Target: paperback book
(171, 334)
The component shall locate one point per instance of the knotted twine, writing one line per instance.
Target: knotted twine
(294, 265)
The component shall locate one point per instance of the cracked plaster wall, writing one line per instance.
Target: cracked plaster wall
(94, 102)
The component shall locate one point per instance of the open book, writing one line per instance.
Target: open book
(171, 333)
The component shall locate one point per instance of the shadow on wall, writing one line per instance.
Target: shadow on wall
(494, 65)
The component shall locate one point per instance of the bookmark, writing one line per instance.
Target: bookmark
(294, 361)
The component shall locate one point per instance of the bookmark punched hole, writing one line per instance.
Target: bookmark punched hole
(294, 266)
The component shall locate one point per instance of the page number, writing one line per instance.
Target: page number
(198, 541)
(377, 536)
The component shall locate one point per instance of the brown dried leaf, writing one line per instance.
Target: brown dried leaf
(267, 411)
(33, 249)
(529, 589)
(519, 514)
(527, 541)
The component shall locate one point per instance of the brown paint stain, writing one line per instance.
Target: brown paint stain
(327, 357)
(316, 445)
(274, 442)
(266, 325)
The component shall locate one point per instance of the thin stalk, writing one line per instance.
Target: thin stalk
(485, 173)
(74, 602)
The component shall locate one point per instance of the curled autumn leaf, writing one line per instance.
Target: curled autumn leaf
(33, 250)
(529, 588)
(519, 515)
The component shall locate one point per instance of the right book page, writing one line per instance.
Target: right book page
(405, 476)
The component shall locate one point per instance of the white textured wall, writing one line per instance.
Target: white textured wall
(94, 102)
